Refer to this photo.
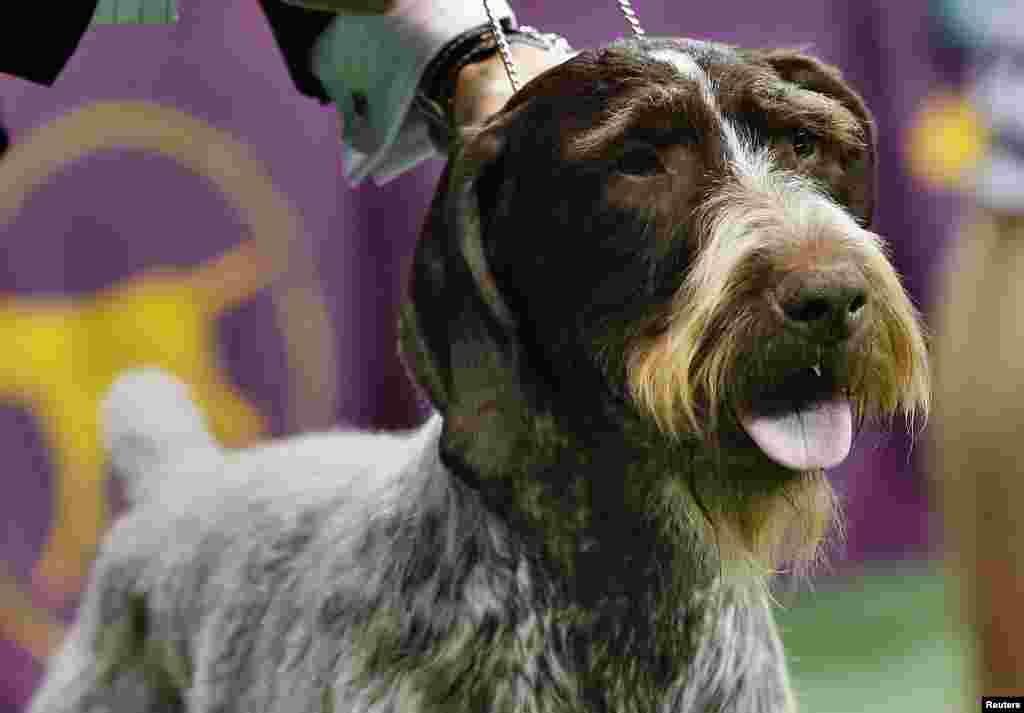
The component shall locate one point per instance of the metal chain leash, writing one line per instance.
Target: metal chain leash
(506, 53)
(627, 9)
(503, 48)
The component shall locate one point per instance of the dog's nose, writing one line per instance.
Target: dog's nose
(823, 307)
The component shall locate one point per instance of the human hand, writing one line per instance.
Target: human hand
(483, 87)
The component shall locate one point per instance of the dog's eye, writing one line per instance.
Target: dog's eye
(805, 143)
(640, 160)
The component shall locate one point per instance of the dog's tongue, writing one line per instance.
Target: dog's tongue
(818, 436)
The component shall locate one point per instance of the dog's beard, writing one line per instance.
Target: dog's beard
(714, 347)
(767, 414)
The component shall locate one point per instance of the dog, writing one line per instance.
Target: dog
(649, 314)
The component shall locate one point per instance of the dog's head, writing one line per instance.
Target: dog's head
(663, 245)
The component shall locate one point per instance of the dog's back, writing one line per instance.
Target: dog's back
(209, 538)
(185, 490)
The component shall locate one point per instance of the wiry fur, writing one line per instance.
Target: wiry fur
(600, 293)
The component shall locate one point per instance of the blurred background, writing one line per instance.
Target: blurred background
(126, 258)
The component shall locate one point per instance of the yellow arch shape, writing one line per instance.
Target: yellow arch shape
(274, 255)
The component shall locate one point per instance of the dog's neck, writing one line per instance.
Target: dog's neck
(586, 499)
(640, 620)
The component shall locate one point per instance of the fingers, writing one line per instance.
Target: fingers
(484, 87)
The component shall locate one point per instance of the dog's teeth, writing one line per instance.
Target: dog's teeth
(816, 369)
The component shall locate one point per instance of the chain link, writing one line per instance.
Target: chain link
(627, 9)
(503, 48)
(506, 53)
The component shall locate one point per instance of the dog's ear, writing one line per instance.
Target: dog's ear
(809, 73)
(458, 331)
(472, 187)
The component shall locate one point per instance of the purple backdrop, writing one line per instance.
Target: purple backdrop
(112, 215)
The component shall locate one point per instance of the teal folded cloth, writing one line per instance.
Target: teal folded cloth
(136, 12)
(371, 66)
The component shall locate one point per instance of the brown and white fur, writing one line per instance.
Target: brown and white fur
(649, 313)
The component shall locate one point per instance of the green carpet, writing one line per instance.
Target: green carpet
(879, 642)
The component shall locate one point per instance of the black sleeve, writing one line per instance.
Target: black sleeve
(38, 38)
(295, 30)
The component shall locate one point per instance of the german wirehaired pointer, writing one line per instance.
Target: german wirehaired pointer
(649, 314)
